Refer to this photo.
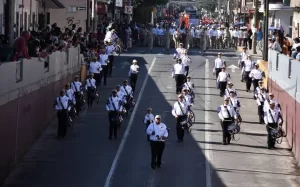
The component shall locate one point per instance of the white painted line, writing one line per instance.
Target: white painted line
(207, 133)
(124, 139)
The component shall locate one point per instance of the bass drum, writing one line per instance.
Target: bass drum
(234, 128)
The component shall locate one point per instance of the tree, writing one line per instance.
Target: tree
(148, 3)
(209, 5)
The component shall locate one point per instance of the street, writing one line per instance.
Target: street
(87, 158)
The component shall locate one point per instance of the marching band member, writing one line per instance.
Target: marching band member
(126, 89)
(121, 94)
(133, 74)
(180, 111)
(158, 133)
(229, 89)
(246, 69)
(149, 118)
(189, 84)
(234, 101)
(95, 68)
(242, 59)
(219, 64)
(257, 89)
(267, 103)
(222, 81)
(114, 108)
(178, 72)
(186, 61)
(61, 106)
(76, 86)
(70, 94)
(90, 86)
(103, 60)
(256, 75)
(186, 97)
(273, 120)
(261, 97)
(179, 51)
(227, 115)
(110, 48)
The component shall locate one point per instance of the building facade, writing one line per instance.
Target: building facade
(295, 4)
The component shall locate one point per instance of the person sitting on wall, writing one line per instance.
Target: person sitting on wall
(20, 46)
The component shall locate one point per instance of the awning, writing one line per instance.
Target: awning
(54, 4)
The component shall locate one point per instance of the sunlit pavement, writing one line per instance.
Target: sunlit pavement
(86, 158)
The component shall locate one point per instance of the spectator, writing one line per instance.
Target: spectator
(298, 53)
(294, 48)
(20, 46)
(276, 45)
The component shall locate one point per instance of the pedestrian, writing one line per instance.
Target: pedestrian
(219, 64)
(149, 118)
(103, 60)
(61, 106)
(76, 86)
(95, 68)
(222, 81)
(246, 68)
(133, 74)
(178, 72)
(158, 133)
(110, 49)
(91, 89)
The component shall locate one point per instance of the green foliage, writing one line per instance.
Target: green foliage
(150, 3)
(209, 5)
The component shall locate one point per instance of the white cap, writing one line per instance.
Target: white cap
(157, 117)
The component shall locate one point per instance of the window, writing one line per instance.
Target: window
(290, 27)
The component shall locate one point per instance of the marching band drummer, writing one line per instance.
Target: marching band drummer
(121, 94)
(186, 97)
(219, 64)
(103, 60)
(90, 86)
(222, 79)
(126, 89)
(133, 74)
(186, 61)
(227, 116)
(257, 89)
(242, 59)
(256, 75)
(179, 51)
(149, 118)
(261, 96)
(178, 72)
(189, 84)
(267, 103)
(180, 111)
(114, 108)
(234, 101)
(61, 105)
(110, 48)
(76, 86)
(229, 89)
(273, 120)
(246, 69)
(95, 68)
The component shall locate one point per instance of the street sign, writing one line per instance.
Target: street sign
(128, 9)
(245, 9)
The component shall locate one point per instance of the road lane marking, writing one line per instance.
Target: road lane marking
(207, 121)
(124, 139)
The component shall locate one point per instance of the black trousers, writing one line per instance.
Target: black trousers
(147, 124)
(260, 112)
(226, 134)
(113, 127)
(97, 78)
(187, 69)
(271, 141)
(247, 79)
(179, 129)
(103, 74)
(180, 79)
(110, 64)
(78, 98)
(218, 70)
(250, 43)
(157, 149)
(133, 79)
(62, 117)
(222, 87)
(90, 96)
(255, 84)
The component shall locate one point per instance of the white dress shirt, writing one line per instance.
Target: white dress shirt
(109, 50)
(272, 116)
(70, 95)
(234, 102)
(220, 33)
(228, 90)
(223, 77)
(187, 99)
(127, 90)
(189, 85)
(178, 69)
(248, 65)
(180, 51)
(176, 111)
(186, 61)
(256, 74)
(160, 131)
(114, 104)
(134, 69)
(76, 86)
(62, 103)
(108, 36)
(243, 56)
(95, 67)
(149, 117)
(103, 58)
(90, 83)
(267, 104)
(219, 63)
(223, 112)
(121, 96)
(261, 97)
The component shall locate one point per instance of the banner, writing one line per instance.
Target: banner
(119, 3)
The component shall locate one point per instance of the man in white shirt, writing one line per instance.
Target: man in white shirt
(178, 72)
(127, 90)
(95, 68)
(108, 35)
(235, 36)
(246, 69)
(219, 64)
(227, 116)
(110, 49)
(222, 81)
(76, 86)
(186, 61)
(180, 112)
(91, 89)
(103, 60)
(148, 119)
(213, 37)
(114, 108)
(160, 36)
(158, 133)
(256, 75)
(61, 105)
(133, 74)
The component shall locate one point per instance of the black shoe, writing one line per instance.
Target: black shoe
(158, 166)
(115, 137)
(153, 166)
(178, 141)
(109, 138)
(224, 143)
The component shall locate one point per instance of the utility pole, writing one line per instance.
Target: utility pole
(11, 19)
(128, 15)
(266, 30)
(113, 10)
(255, 27)
(88, 16)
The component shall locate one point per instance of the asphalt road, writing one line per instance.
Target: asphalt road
(86, 158)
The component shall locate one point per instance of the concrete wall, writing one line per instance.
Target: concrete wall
(64, 18)
(282, 18)
(27, 94)
(284, 82)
